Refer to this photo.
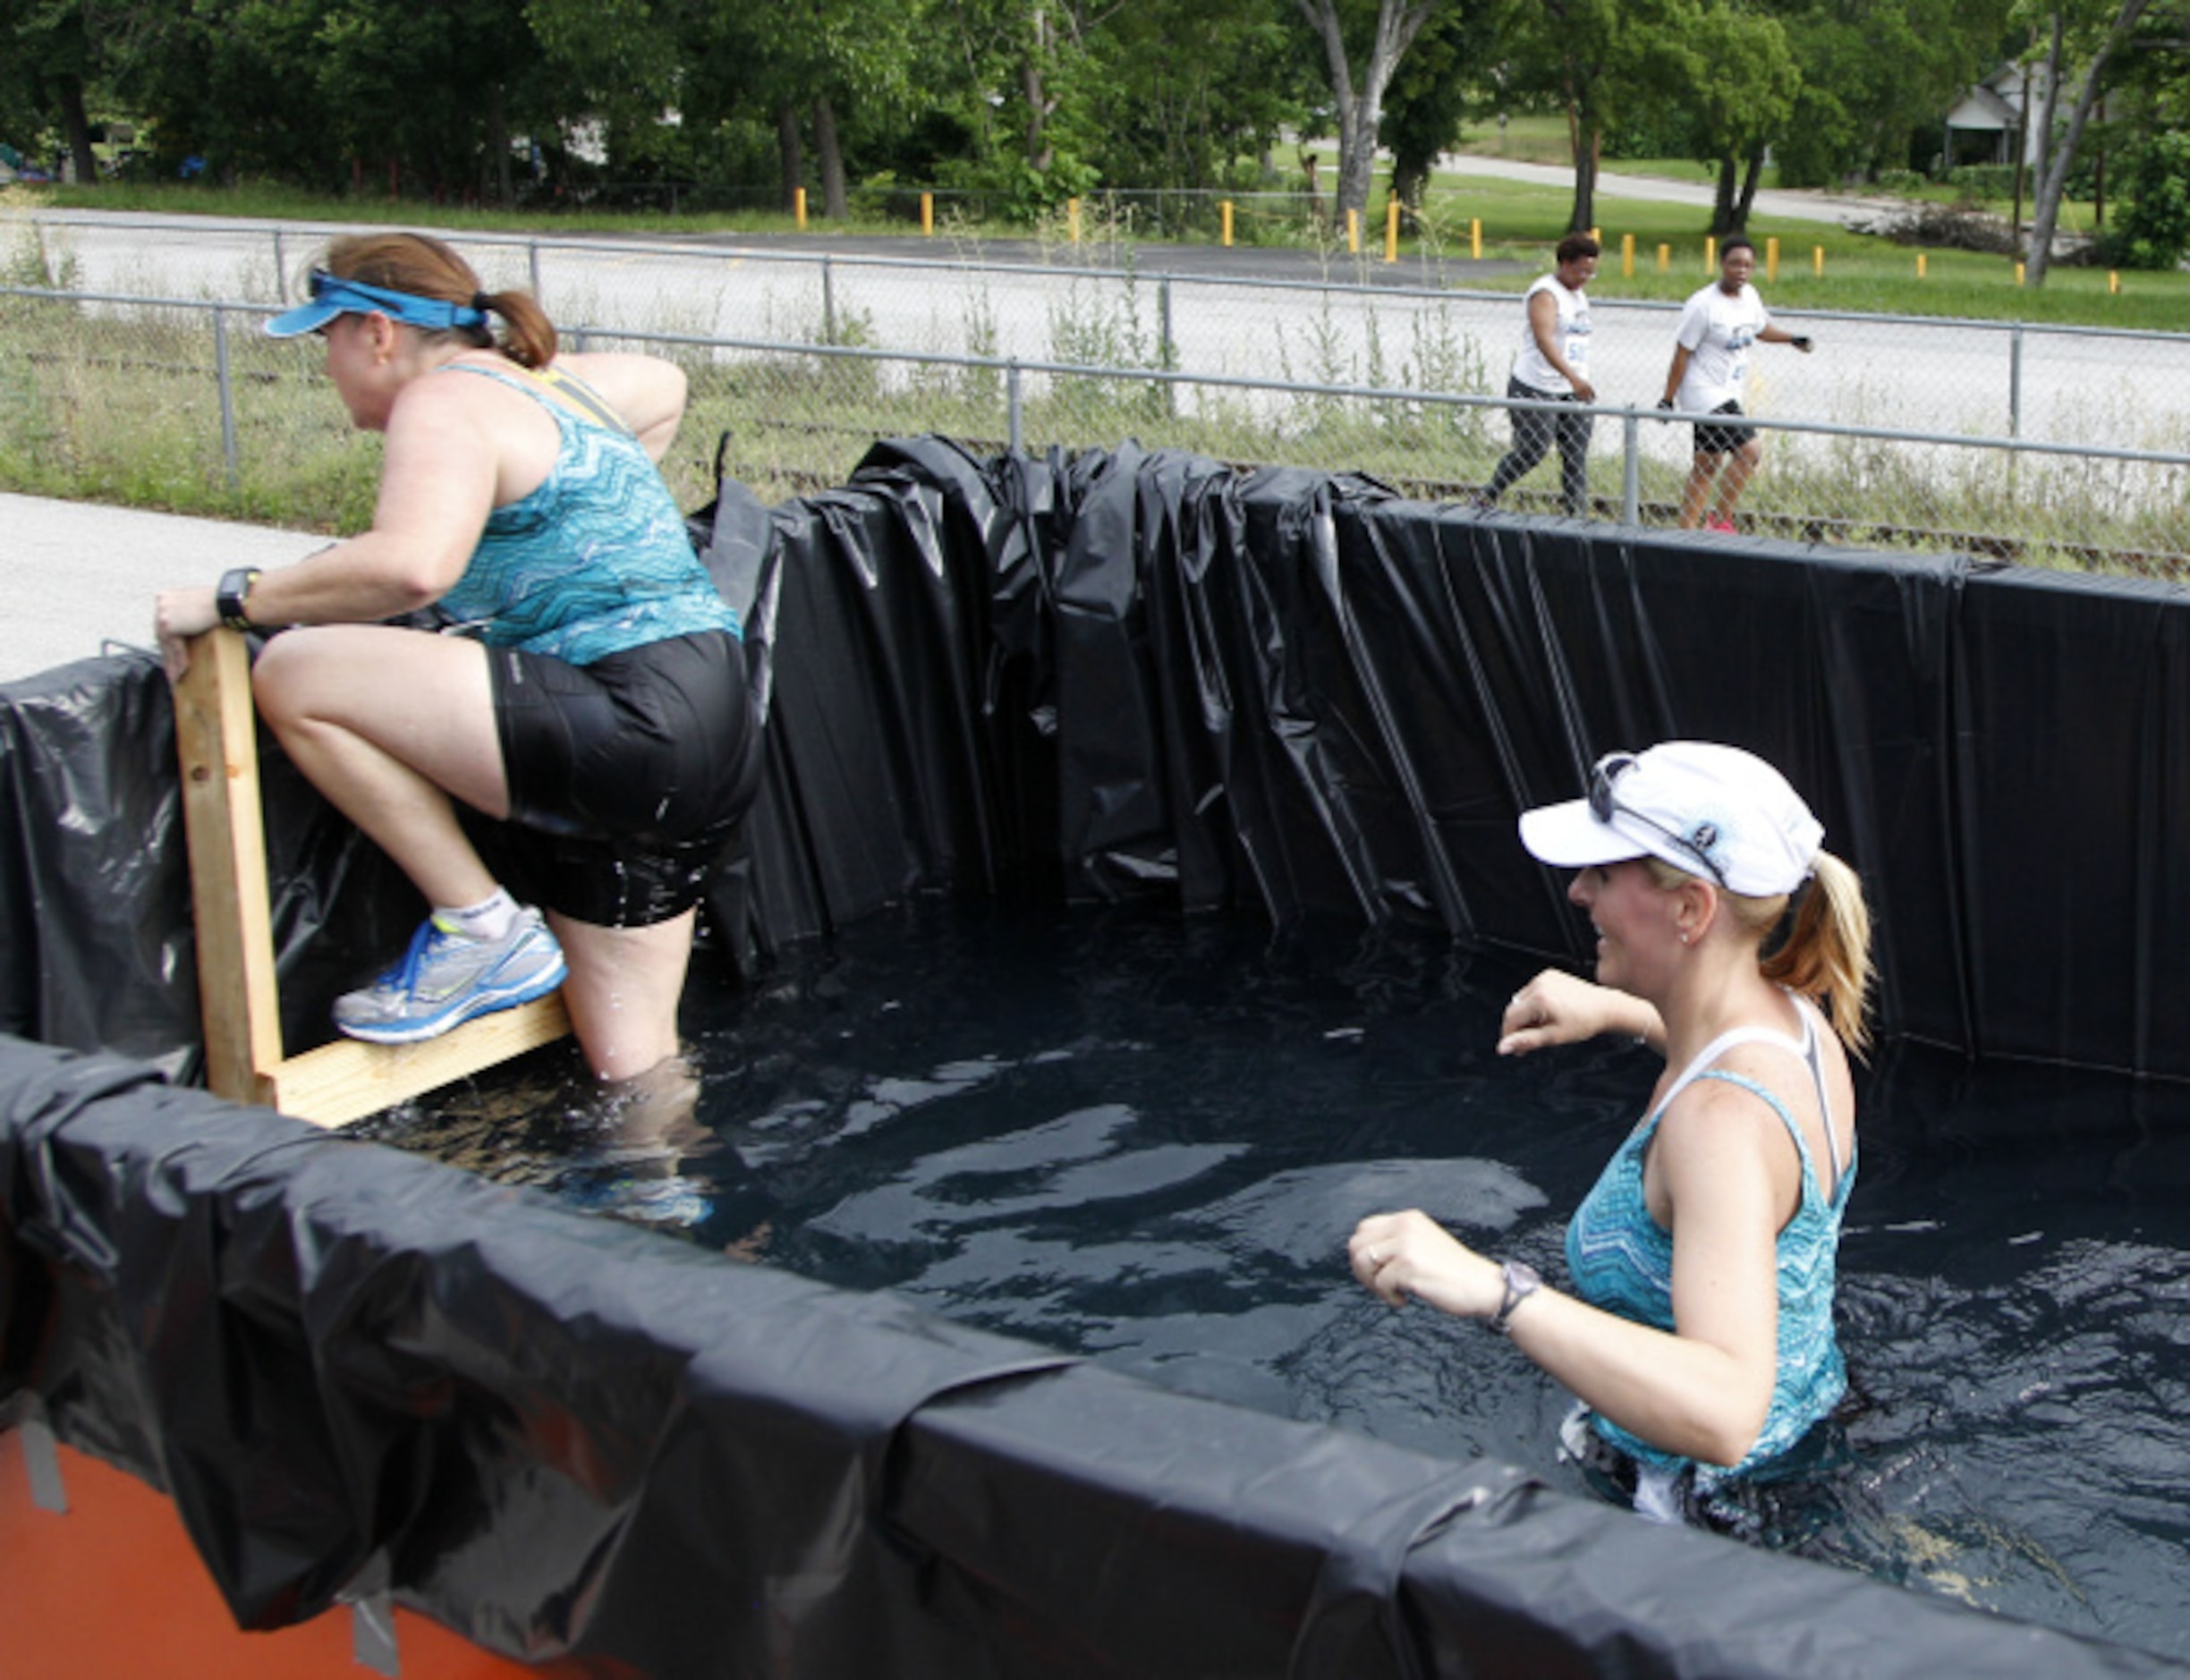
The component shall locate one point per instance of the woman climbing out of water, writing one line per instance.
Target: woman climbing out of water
(1698, 1332)
(593, 698)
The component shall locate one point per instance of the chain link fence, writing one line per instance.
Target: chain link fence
(2040, 444)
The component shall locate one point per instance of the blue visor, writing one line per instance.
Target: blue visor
(331, 295)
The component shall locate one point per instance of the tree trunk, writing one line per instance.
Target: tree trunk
(1723, 219)
(791, 153)
(2061, 153)
(1040, 153)
(498, 145)
(1754, 173)
(835, 202)
(76, 125)
(1588, 149)
(1409, 178)
(1361, 103)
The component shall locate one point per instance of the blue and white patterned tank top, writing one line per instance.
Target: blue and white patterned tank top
(1620, 1258)
(596, 560)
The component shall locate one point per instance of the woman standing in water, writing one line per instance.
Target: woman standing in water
(595, 698)
(1699, 1330)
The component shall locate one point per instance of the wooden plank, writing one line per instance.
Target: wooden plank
(240, 1004)
(218, 750)
(347, 1080)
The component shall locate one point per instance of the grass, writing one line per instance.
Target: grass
(1521, 222)
(96, 407)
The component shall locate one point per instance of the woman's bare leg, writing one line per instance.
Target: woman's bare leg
(623, 988)
(389, 723)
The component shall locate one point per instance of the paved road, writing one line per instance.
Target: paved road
(80, 576)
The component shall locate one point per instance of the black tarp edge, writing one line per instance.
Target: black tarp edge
(567, 1437)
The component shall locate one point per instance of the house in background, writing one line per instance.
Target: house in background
(1986, 123)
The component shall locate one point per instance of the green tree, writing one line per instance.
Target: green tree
(1363, 50)
(1741, 103)
(2079, 41)
(50, 56)
(1600, 61)
(1437, 86)
(1875, 72)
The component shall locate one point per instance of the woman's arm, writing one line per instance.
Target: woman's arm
(1557, 1007)
(438, 484)
(647, 392)
(1703, 1391)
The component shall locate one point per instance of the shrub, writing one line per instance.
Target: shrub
(2152, 229)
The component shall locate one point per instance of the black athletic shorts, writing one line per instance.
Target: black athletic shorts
(1722, 440)
(627, 776)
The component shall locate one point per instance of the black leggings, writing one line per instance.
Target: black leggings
(1533, 430)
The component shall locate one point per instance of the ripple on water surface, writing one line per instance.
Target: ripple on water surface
(1146, 1140)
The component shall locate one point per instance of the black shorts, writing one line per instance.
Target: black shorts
(1722, 440)
(627, 776)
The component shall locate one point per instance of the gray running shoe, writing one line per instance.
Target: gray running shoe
(445, 979)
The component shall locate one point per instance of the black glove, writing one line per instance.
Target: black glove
(1800, 343)
(1665, 401)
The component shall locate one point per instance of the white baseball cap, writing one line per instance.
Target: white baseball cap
(1716, 812)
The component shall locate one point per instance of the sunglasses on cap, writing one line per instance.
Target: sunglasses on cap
(1603, 802)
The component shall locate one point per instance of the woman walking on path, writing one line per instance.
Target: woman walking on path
(1552, 365)
(1709, 375)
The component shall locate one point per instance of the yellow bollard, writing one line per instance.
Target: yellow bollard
(1475, 237)
(798, 207)
(2113, 280)
(1710, 253)
(1920, 264)
(2018, 273)
(1353, 232)
(1627, 255)
(1817, 261)
(1391, 230)
(928, 213)
(1771, 258)
(1665, 259)
(1227, 207)
(1071, 218)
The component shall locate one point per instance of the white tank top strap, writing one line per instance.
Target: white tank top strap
(1806, 1049)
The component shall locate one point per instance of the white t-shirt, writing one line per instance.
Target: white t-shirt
(1718, 330)
(1570, 332)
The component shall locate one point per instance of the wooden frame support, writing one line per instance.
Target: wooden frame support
(216, 741)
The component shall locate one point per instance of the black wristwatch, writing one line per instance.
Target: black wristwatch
(1522, 1281)
(228, 597)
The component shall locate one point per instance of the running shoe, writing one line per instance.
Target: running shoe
(1719, 521)
(446, 977)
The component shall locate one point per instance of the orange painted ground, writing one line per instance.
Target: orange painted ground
(115, 1588)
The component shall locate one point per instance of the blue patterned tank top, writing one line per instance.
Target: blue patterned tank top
(594, 561)
(1621, 1259)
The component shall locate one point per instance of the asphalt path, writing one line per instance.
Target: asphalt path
(81, 577)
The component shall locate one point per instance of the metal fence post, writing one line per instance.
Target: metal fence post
(1167, 347)
(532, 267)
(1631, 469)
(2015, 383)
(1014, 430)
(828, 301)
(281, 271)
(228, 393)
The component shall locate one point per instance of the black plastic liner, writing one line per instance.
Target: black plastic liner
(357, 1371)
(1283, 694)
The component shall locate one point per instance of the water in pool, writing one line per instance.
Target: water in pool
(1146, 1139)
